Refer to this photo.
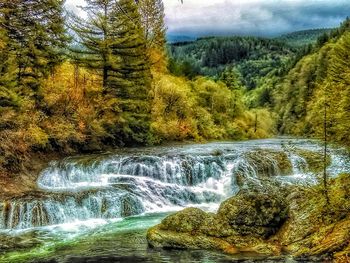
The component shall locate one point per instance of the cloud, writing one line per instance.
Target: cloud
(269, 17)
(247, 17)
(73, 6)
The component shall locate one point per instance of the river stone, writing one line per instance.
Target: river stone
(313, 227)
(187, 220)
(268, 223)
(315, 160)
(269, 162)
(160, 238)
(254, 213)
(215, 226)
(130, 205)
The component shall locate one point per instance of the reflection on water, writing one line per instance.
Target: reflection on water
(123, 241)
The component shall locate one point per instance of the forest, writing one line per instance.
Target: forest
(73, 85)
(110, 124)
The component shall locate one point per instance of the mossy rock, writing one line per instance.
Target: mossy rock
(160, 238)
(306, 228)
(157, 237)
(314, 160)
(270, 162)
(187, 220)
(314, 228)
(325, 242)
(215, 226)
(254, 213)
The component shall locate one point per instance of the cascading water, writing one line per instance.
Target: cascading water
(138, 181)
(91, 191)
(120, 186)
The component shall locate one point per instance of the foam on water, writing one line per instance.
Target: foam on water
(88, 191)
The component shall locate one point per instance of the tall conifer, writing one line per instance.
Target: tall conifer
(114, 46)
(152, 17)
(36, 34)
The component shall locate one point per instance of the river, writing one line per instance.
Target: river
(97, 208)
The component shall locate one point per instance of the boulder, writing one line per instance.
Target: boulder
(187, 220)
(269, 162)
(242, 224)
(314, 160)
(294, 221)
(254, 213)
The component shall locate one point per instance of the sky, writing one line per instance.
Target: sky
(247, 17)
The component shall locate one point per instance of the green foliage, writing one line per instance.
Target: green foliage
(254, 58)
(152, 19)
(305, 37)
(115, 46)
(204, 109)
(319, 81)
(34, 33)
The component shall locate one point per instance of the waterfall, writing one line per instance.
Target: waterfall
(128, 183)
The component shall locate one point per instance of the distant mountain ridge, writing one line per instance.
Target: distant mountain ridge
(295, 38)
(173, 38)
(304, 37)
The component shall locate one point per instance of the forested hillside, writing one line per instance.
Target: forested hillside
(304, 37)
(71, 85)
(290, 75)
(252, 57)
(316, 91)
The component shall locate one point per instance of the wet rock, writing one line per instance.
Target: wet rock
(187, 220)
(216, 226)
(217, 152)
(269, 162)
(315, 160)
(15, 242)
(315, 228)
(295, 221)
(254, 213)
(242, 224)
(130, 205)
(159, 238)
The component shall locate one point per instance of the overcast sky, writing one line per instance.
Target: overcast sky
(248, 17)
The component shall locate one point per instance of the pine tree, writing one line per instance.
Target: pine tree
(114, 46)
(94, 36)
(130, 78)
(36, 34)
(152, 18)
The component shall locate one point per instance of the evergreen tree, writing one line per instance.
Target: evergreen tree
(130, 78)
(114, 46)
(36, 34)
(152, 19)
(94, 36)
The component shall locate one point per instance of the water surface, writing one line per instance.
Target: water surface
(97, 208)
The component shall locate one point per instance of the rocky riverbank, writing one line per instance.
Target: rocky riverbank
(24, 180)
(267, 219)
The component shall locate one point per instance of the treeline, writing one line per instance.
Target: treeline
(253, 57)
(256, 63)
(71, 85)
(203, 109)
(304, 37)
(317, 91)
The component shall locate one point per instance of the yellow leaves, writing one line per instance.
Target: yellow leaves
(158, 60)
(36, 136)
(63, 131)
(172, 97)
(74, 97)
(203, 108)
